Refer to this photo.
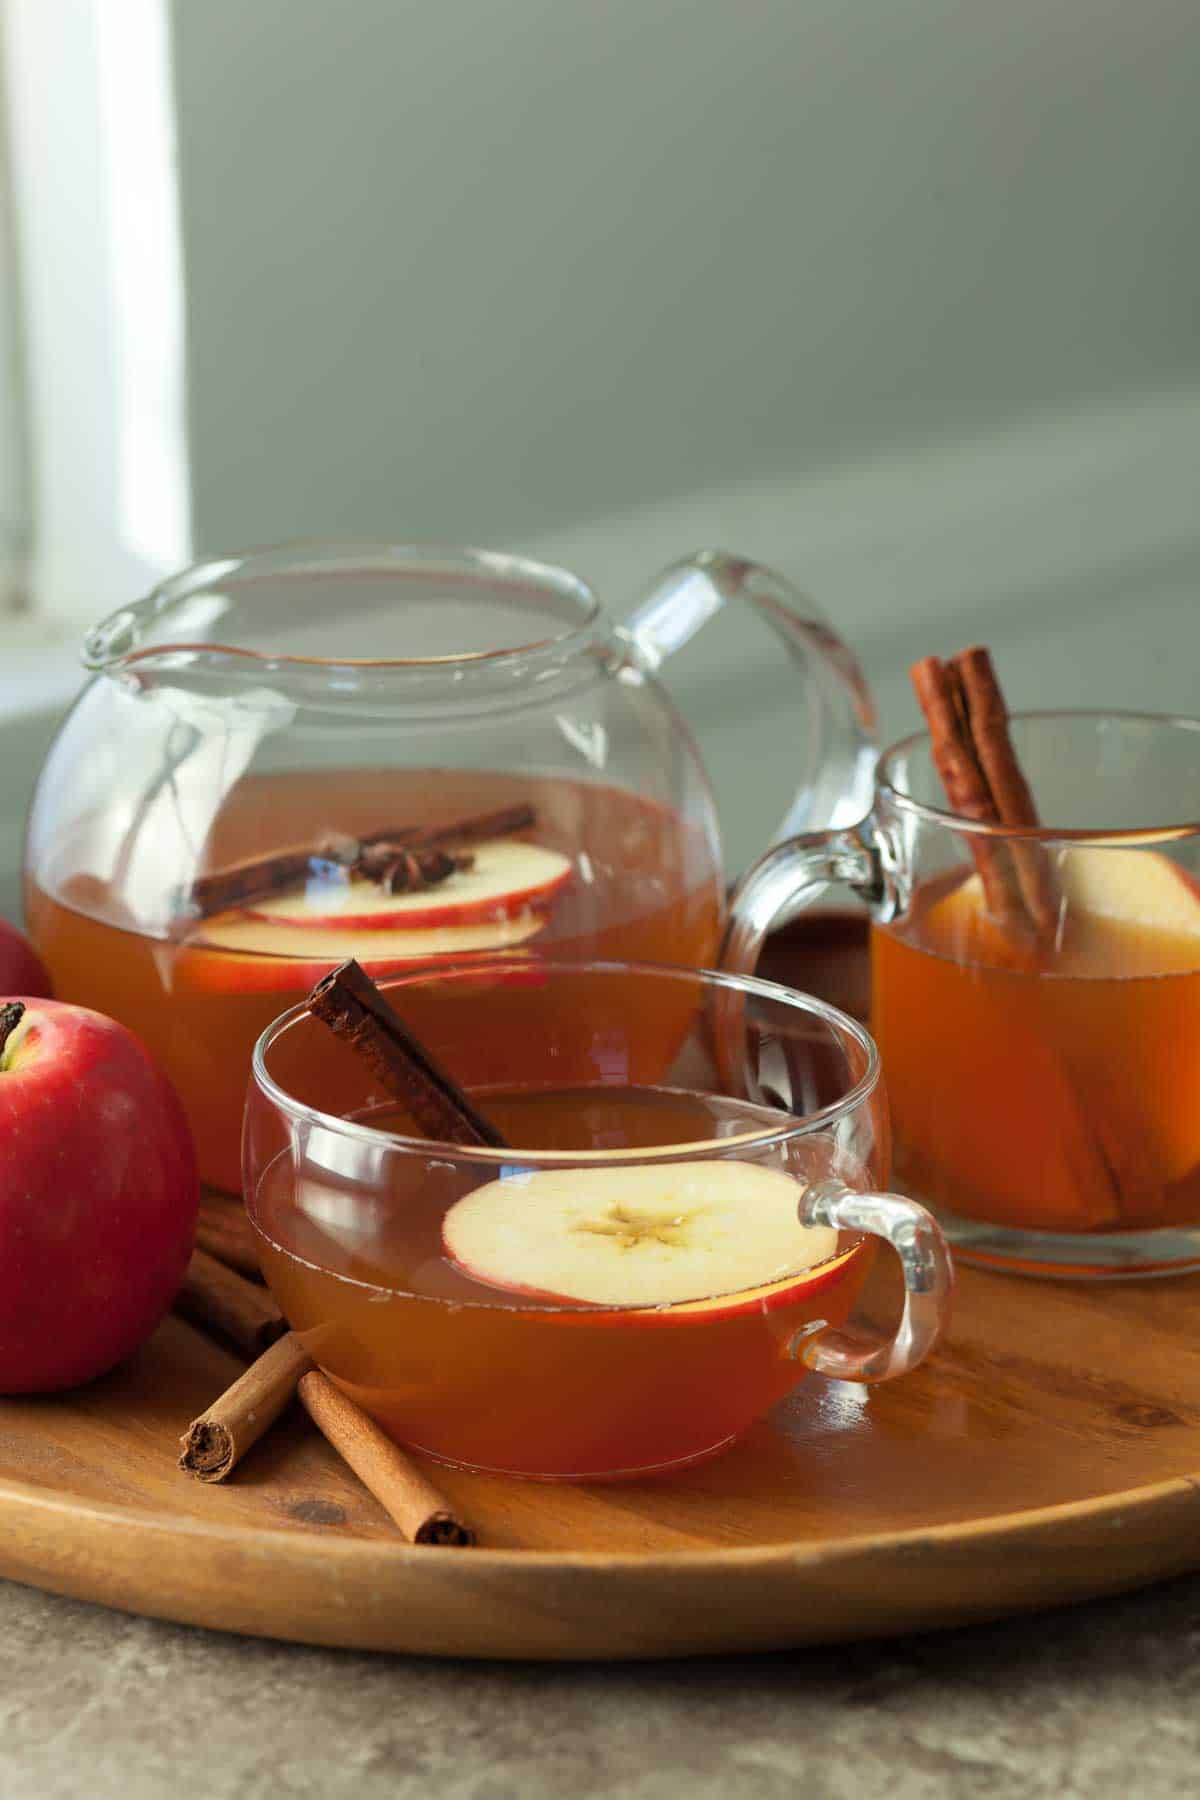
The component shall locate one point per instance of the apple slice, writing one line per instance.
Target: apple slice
(959, 926)
(646, 1236)
(1139, 887)
(506, 878)
(237, 954)
(1128, 887)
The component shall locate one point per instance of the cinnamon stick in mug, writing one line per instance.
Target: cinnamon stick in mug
(348, 1001)
(1012, 799)
(939, 690)
(973, 753)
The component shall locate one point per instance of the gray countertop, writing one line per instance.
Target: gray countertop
(1096, 1700)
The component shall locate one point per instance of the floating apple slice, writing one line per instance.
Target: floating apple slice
(506, 878)
(1139, 887)
(1134, 887)
(237, 954)
(646, 1236)
(959, 926)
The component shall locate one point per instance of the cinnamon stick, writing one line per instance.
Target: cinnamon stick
(940, 693)
(1012, 800)
(214, 1444)
(505, 821)
(973, 753)
(348, 1001)
(277, 873)
(223, 1231)
(219, 1300)
(416, 1506)
(265, 876)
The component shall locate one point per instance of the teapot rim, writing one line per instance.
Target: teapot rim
(116, 642)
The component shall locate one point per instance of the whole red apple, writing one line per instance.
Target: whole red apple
(98, 1194)
(21, 968)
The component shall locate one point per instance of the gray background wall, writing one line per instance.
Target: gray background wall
(471, 269)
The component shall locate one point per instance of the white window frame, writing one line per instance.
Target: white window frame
(90, 122)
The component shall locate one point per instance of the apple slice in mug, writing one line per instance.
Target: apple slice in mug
(714, 1237)
(506, 878)
(1136, 887)
(1124, 912)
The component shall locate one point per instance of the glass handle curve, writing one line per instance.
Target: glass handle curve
(859, 1353)
(790, 876)
(835, 784)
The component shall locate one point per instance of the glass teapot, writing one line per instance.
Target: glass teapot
(396, 753)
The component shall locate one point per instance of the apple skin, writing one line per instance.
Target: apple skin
(22, 970)
(245, 955)
(807, 1283)
(98, 1197)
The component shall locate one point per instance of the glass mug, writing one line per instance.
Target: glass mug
(440, 1286)
(297, 700)
(1044, 1102)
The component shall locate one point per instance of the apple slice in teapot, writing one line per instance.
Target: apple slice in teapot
(242, 955)
(501, 880)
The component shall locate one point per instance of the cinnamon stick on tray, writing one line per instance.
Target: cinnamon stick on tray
(224, 1232)
(214, 1444)
(416, 1506)
(223, 1302)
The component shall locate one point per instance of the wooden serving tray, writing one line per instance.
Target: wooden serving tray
(1050, 1451)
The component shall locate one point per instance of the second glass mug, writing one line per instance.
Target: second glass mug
(289, 699)
(1043, 1102)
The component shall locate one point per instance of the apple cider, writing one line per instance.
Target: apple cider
(447, 1304)
(1052, 1088)
(599, 872)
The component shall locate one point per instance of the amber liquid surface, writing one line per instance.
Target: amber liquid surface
(1060, 1096)
(482, 1376)
(644, 886)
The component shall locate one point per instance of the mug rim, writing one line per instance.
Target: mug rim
(493, 1157)
(886, 786)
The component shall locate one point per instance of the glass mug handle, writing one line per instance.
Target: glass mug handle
(859, 1353)
(779, 884)
(835, 785)
(791, 875)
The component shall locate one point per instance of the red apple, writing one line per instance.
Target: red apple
(98, 1194)
(22, 970)
(712, 1237)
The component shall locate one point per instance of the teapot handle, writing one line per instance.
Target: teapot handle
(836, 776)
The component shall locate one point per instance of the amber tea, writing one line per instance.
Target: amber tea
(452, 1327)
(644, 885)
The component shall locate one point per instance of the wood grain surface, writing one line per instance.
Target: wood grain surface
(1050, 1450)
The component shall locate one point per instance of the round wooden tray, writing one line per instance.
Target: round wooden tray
(1050, 1451)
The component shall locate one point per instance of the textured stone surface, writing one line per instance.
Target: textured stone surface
(1101, 1700)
